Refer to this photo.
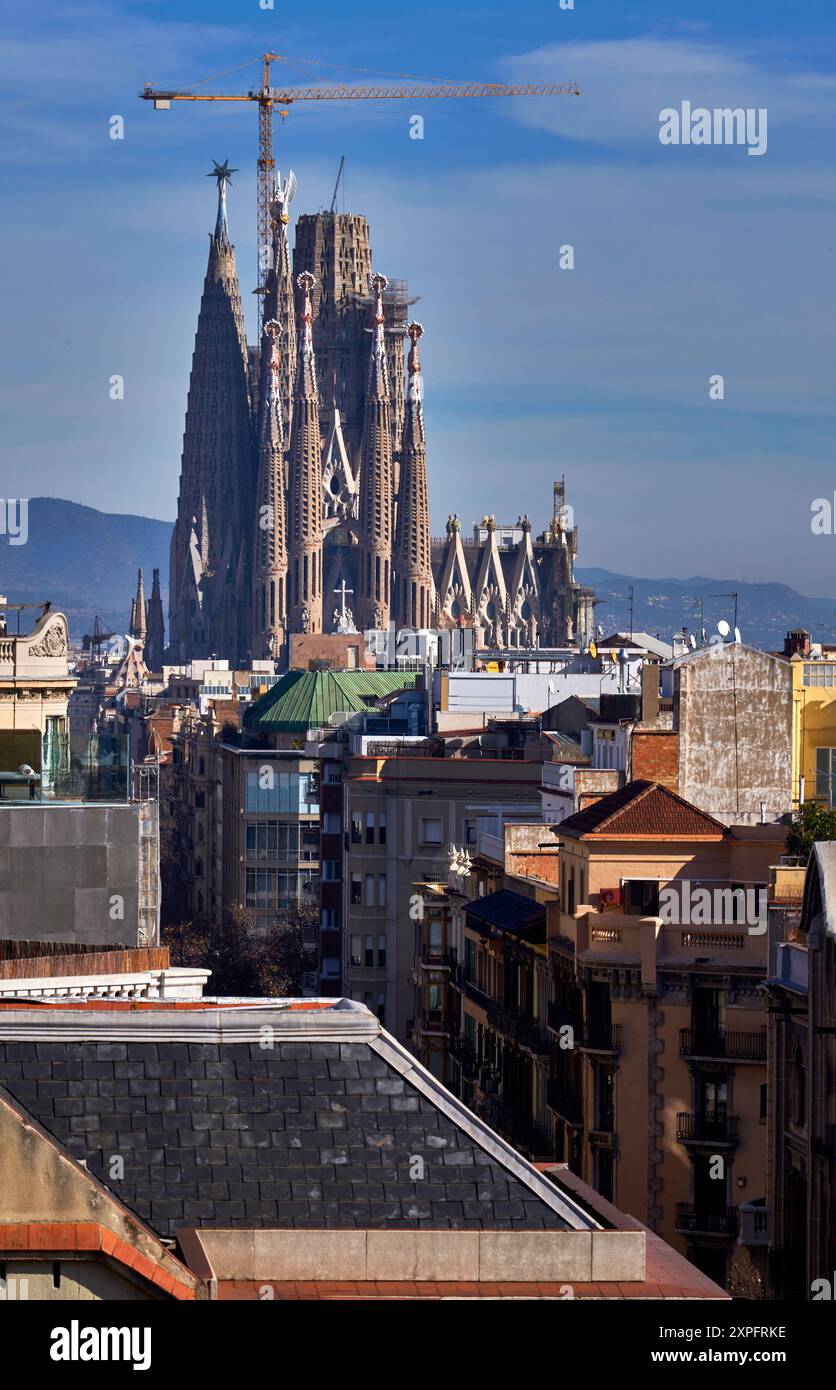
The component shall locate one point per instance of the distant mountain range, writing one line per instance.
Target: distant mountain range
(86, 561)
(765, 612)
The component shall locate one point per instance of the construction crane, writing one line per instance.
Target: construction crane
(93, 642)
(267, 96)
(337, 184)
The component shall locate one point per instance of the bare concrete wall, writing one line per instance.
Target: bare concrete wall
(80, 873)
(733, 710)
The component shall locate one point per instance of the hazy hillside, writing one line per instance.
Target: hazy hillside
(766, 612)
(85, 561)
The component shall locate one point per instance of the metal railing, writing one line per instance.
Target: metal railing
(691, 1217)
(741, 1047)
(708, 1128)
(601, 1038)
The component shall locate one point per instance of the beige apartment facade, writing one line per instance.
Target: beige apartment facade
(401, 815)
(35, 688)
(659, 951)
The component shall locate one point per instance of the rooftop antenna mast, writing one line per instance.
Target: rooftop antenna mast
(337, 184)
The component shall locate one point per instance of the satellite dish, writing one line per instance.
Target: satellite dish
(593, 650)
(693, 641)
(737, 637)
(723, 628)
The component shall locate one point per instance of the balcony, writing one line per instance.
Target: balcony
(464, 1054)
(754, 1224)
(707, 1129)
(694, 1220)
(564, 1101)
(476, 995)
(522, 1029)
(701, 1044)
(604, 1038)
(560, 1016)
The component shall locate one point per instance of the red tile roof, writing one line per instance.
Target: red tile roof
(642, 811)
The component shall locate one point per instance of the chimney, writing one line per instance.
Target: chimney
(650, 692)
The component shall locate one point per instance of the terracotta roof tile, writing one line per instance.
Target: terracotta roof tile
(642, 810)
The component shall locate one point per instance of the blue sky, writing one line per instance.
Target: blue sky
(689, 262)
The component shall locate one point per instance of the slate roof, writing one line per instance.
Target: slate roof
(306, 699)
(507, 911)
(301, 1134)
(642, 810)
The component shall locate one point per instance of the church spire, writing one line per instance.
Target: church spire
(412, 554)
(305, 520)
(139, 617)
(269, 549)
(155, 643)
(377, 479)
(279, 302)
(217, 479)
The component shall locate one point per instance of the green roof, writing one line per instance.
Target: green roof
(306, 699)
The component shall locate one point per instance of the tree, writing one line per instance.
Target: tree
(244, 962)
(811, 822)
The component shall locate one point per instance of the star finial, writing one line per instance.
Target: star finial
(221, 172)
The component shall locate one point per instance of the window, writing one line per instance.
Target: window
(369, 953)
(826, 775)
(356, 889)
(381, 1007)
(820, 673)
(369, 890)
(331, 823)
(356, 828)
(436, 936)
(310, 843)
(432, 832)
(799, 1088)
(330, 968)
(381, 950)
(603, 1172)
(641, 897)
(469, 961)
(470, 831)
(370, 827)
(356, 957)
(331, 870)
(381, 890)
(381, 828)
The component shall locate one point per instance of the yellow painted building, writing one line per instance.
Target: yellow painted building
(813, 730)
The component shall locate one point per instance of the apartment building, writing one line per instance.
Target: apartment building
(659, 953)
(402, 810)
(799, 1224)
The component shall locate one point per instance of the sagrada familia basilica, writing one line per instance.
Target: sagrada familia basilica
(303, 504)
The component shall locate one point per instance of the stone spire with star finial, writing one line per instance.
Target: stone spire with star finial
(217, 474)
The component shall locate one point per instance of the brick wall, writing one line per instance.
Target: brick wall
(655, 757)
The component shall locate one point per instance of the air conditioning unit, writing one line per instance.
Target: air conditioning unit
(609, 897)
